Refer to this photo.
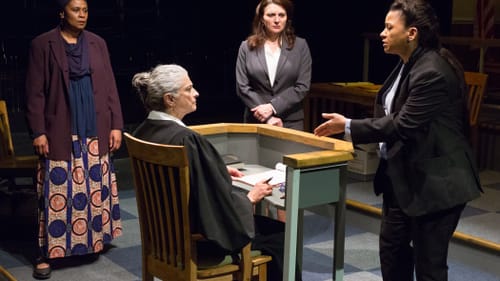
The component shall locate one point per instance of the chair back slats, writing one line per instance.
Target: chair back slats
(169, 221)
(476, 83)
(13, 166)
(175, 220)
(161, 180)
(6, 145)
(153, 207)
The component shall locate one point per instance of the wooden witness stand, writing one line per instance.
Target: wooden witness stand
(316, 175)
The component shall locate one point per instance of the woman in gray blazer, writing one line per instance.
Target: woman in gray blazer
(426, 173)
(273, 69)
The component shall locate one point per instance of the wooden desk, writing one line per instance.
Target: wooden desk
(316, 175)
(330, 97)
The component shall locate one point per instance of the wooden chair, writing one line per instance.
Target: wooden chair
(5, 275)
(476, 83)
(161, 182)
(11, 165)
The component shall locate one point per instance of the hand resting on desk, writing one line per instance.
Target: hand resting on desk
(259, 191)
(234, 172)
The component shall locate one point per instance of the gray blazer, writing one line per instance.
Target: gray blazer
(291, 85)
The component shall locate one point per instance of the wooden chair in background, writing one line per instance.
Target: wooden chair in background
(476, 83)
(161, 182)
(13, 166)
(5, 275)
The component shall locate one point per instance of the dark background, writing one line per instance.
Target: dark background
(202, 36)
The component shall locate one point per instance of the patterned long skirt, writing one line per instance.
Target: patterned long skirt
(78, 202)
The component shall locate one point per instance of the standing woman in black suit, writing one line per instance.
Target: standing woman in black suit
(426, 173)
(273, 69)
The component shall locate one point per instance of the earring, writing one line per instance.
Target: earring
(408, 40)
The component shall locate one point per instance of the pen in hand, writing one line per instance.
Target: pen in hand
(268, 180)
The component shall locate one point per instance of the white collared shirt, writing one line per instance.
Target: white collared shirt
(272, 59)
(159, 115)
(392, 91)
(387, 108)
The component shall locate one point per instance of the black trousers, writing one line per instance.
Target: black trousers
(415, 246)
(270, 239)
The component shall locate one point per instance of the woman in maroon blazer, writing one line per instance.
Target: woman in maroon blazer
(75, 119)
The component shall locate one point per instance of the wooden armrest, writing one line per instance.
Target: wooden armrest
(197, 236)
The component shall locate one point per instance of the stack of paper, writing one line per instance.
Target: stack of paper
(275, 176)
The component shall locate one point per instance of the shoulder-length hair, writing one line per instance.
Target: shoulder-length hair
(258, 36)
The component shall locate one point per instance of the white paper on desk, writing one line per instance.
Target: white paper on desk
(278, 175)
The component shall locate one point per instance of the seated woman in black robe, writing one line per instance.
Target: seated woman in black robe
(222, 213)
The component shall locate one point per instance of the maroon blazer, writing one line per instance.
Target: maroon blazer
(47, 82)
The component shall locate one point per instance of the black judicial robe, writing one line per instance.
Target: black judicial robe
(222, 213)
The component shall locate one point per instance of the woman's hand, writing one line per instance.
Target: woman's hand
(335, 125)
(260, 190)
(115, 140)
(262, 112)
(234, 172)
(41, 145)
(275, 121)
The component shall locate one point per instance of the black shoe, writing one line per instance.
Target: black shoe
(41, 273)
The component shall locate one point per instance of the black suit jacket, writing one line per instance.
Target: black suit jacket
(430, 164)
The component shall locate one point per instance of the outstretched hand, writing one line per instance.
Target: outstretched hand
(335, 125)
